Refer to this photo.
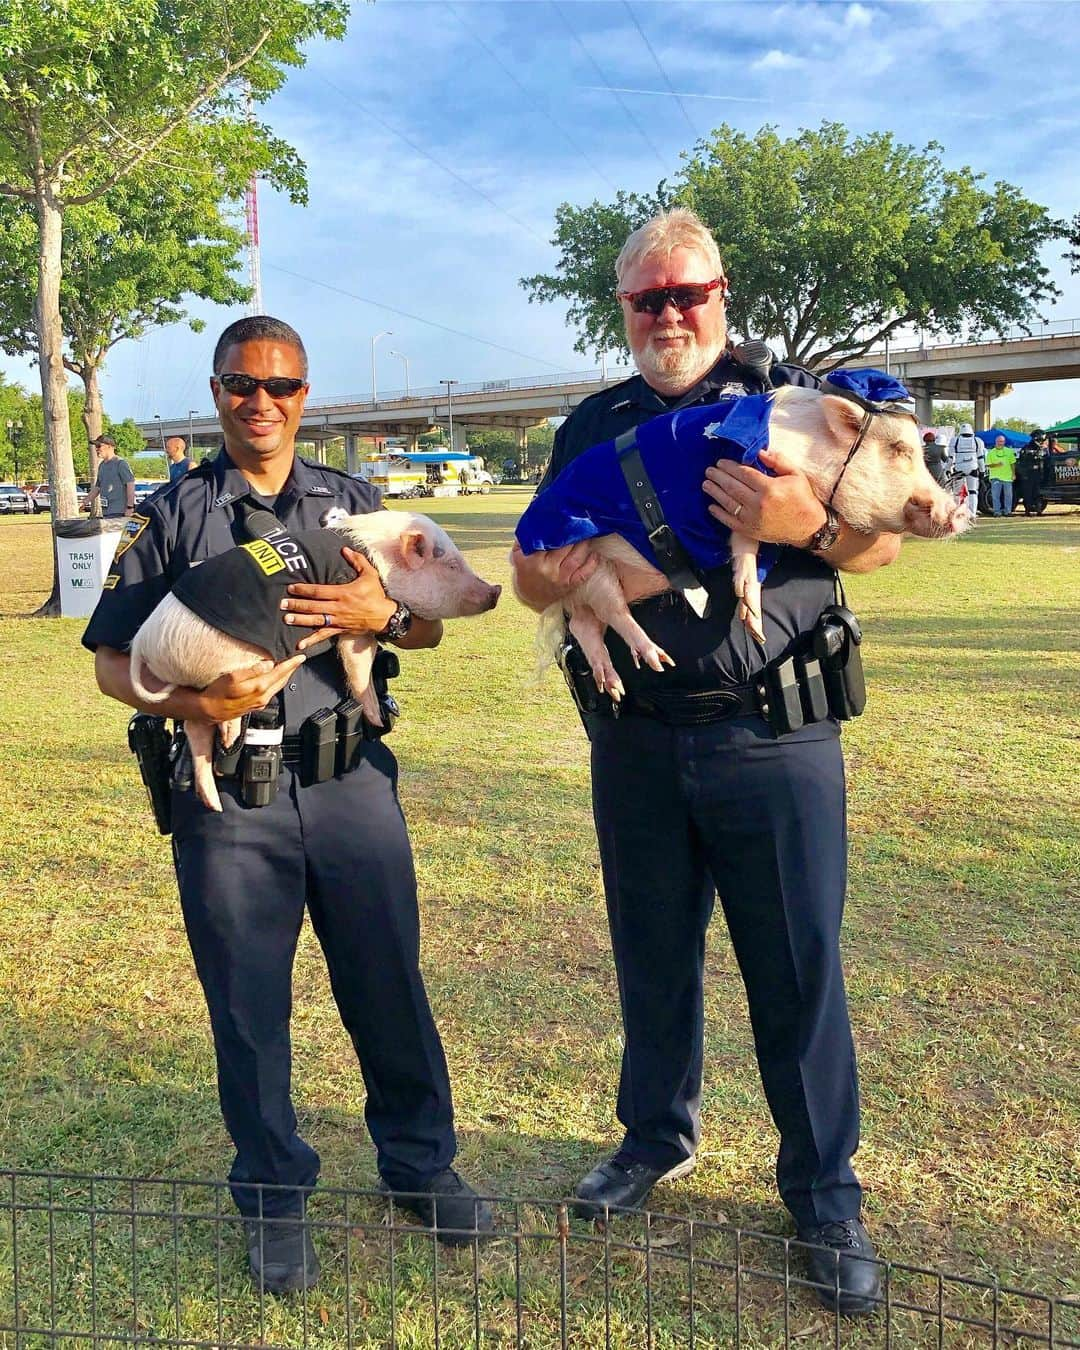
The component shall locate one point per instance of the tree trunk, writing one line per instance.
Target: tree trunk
(93, 415)
(50, 343)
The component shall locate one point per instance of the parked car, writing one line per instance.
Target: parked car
(13, 500)
(39, 495)
(146, 488)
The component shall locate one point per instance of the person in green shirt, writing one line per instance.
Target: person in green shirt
(1001, 465)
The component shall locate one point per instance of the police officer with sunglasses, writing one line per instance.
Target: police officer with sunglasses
(337, 846)
(686, 812)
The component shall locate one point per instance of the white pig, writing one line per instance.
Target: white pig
(885, 487)
(417, 561)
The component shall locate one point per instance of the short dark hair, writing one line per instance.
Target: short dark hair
(259, 328)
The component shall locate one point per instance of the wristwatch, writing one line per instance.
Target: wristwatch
(398, 623)
(824, 538)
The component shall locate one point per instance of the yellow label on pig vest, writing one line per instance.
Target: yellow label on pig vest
(266, 556)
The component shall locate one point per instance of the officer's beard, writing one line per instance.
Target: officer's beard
(672, 368)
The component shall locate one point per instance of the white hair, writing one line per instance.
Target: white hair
(660, 236)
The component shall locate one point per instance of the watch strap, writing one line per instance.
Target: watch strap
(824, 538)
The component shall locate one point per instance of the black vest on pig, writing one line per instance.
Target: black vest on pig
(241, 591)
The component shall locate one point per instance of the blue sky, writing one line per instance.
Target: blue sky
(440, 138)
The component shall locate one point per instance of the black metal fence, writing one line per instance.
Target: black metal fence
(101, 1261)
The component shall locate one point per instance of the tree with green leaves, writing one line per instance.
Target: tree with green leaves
(94, 91)
(130, 258)
(832, 243)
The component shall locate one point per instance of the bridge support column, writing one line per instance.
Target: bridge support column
(459, 438)
(523, 451)
(982, 408)
(923, 392)
(352, 458)
(414, 442)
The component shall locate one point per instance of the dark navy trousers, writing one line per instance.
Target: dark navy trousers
(341, 848)
(684, 814)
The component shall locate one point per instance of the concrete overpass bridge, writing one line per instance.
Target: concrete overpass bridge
(979, 371)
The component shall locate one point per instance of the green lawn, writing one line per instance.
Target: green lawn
(961, 954)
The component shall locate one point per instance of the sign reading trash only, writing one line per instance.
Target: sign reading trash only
(84, 554)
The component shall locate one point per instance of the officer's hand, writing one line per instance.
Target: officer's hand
(360, 606)
(245, 690)
(541, 579)
(780, 510)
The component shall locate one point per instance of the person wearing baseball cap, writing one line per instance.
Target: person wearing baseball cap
(115, 481)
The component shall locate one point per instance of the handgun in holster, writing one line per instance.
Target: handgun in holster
(578, 675)
(150, 741)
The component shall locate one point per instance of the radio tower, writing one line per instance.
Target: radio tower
(251, 212)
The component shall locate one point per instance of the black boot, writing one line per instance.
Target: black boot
(448, 1205)
(843, 1266)
(280, 1254)
(622, 1183)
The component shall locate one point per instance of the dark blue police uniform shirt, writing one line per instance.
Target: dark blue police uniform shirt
(716, 650)
(191, 520)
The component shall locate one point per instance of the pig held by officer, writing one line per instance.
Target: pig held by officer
(338, 847)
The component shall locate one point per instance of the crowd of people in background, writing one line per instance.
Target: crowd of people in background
(992, 480)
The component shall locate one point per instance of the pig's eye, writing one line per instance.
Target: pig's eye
(900, 449)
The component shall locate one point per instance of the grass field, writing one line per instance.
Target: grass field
(960, 941)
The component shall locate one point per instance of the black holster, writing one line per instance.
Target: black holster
(150, 742)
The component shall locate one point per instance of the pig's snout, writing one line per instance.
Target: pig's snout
(933, 514)
(493, 596)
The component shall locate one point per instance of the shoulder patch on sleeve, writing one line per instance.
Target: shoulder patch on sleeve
(130, 533)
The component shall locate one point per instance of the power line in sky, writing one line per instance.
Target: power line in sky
(575, 146)
(343, 93)
(660, 68)
(416, 318)
(607, 85)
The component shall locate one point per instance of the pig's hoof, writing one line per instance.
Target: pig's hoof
(656, 659)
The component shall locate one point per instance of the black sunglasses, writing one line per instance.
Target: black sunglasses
(656, 298)
(243, 386)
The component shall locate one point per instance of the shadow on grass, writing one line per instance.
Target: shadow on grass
(1028, 629)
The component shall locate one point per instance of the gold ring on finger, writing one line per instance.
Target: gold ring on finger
(737, 510)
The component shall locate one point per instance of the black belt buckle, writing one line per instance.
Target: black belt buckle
(318, 747)
(350, 733)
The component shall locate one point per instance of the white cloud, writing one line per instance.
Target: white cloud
(857, 16)
(777, 60)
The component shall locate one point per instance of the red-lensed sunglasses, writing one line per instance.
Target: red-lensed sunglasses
(688, 296)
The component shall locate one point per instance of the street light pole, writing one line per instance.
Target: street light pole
(161, 434)
(402, 357)
(386, 332)
(191, 412)
(450, 408)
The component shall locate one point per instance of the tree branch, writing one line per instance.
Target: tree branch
(212, 88)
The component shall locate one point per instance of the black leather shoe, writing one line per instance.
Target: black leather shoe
(841, 1262)
(621, 1183)
(448, 1205)
(281, 1254)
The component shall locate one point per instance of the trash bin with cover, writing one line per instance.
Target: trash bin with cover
(84, 553)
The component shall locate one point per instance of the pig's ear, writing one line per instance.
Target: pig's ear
(415, 548)
(842, 416)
